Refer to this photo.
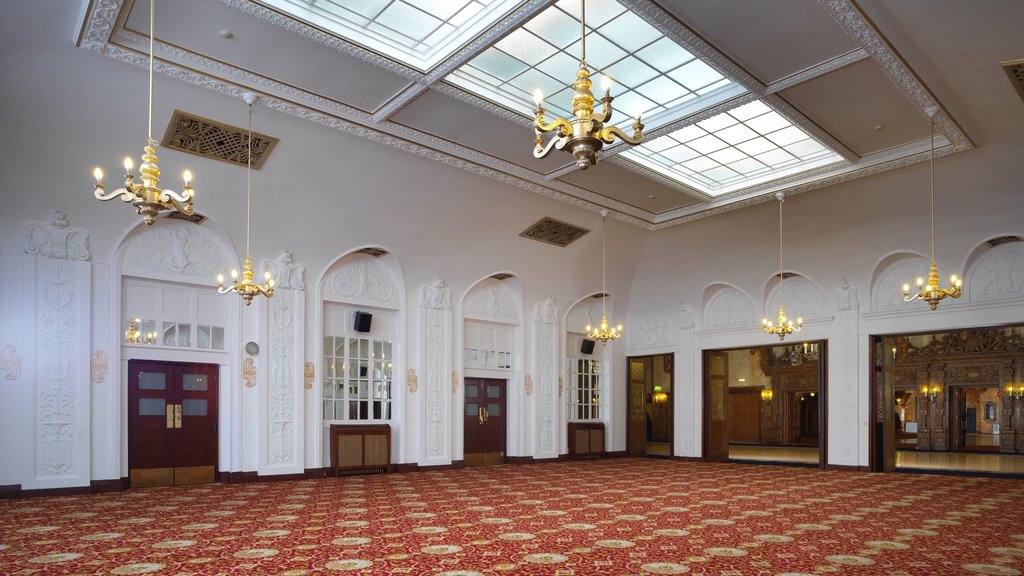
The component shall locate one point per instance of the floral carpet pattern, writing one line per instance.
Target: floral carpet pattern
(616, 517)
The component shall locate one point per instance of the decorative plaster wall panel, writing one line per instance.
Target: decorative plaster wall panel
(361, 280)
(99, 366)
(728, 307)
(10, 362)
(586, 312)
(887, 292)
(435, 337)
(801, 297)
(998, 274)
(176, 250)
(654, 332)
(546, 367)
(282, 401)
(491, 300)
(286, 273)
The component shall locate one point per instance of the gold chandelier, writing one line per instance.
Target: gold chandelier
(246, 288)
(147, 197)
(931, 292)
(781, 326)
(585, 134)
(604, 332)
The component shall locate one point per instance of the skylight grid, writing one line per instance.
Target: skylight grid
(419, 33)
(650, 73)
(733, 149)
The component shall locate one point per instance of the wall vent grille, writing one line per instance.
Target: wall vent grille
(554, 232)
(501, 276)
(375, 252)
(195, 218)
(1003, 240)
(212, 139)
(1015, 71)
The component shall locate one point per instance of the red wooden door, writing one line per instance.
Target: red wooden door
(716, 406)
(636, 405)
(484, 422)
(172, 423)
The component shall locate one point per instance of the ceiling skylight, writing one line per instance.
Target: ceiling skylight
(652, 75)
(418, 33)
(739, 148)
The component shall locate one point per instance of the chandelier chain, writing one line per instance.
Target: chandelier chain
(604, 264)
(248, 182)
(152, 10)
(931, 167)
(583, 33)
(782, 274)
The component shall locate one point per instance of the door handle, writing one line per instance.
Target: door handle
(486, 415)
(480, 414)
(177, 415)
(169, 408)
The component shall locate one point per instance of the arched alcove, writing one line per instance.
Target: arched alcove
(890, 274)
(995, 269)
(802, 297)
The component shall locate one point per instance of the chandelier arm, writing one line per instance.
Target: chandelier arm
(608, 134)
(563, 126)
(183, 206)
(125, 194)
(555, 142)
(170, 196)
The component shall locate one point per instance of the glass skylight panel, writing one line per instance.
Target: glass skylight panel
(418, 33)
(651, 74)
(729, 151)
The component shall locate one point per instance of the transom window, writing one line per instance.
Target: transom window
(357, 379)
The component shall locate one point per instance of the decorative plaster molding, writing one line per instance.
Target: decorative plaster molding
(686, 318)
(587, 312)
(846, 296)
(361, 279)
(10, 362)
(887, 293)
(287, 275)
(803, 299)
(281, 401)
(436, 296)
(57, 239)
(491, 300)
(546, 312)
(998, 274)
(528, 385)
(99, 366)
(729, 307)
(249, 372)
(176, 248)
(841, 61)
(411, 381)
(308, 375)
(653, 333)
(455, 381)
(561, 386)
(55, 398)
(859, 27)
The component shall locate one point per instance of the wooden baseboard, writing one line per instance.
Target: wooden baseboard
(519, 460)
(408, 467)
(237, 477)
(116, 485)
(70, 491)
(9, 491)
(846, 468)
(687, 458)
(314, 473)
(615, 454)
(281, 477)
(455, 465)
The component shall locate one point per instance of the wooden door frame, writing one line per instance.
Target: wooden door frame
(822, 399)
(671, 401)
(504, 398)
(215, 388)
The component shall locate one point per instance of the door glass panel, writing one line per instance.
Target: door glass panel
(328, 410)
(152, 381)
(193, 407)
(472, 392)
(170, 335)
(494, 391)
(494, 409)
(152, 406)
(472, 409)
(185, 335)
(195, 382)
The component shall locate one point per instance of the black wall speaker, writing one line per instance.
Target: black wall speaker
(587, 347)
(362, 323)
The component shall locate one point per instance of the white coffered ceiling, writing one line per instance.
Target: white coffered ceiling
(740, 99)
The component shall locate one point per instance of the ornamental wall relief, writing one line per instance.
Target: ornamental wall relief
(801, 297)
(491, 300)
(361, 279)
(728, 307)
(998, 274)
(176, 248)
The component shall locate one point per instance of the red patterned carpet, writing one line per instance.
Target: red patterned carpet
(588, 518)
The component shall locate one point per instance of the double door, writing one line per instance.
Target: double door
(484, 422)
(172, 423)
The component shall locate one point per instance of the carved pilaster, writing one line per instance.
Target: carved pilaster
(543, 389)
(434, 311)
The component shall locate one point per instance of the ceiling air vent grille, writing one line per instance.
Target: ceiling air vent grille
(211, 139)
(375, 252)
(501, 276)
(1003, 240)
(554, 232)
(195, 218)
(1015, 70)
